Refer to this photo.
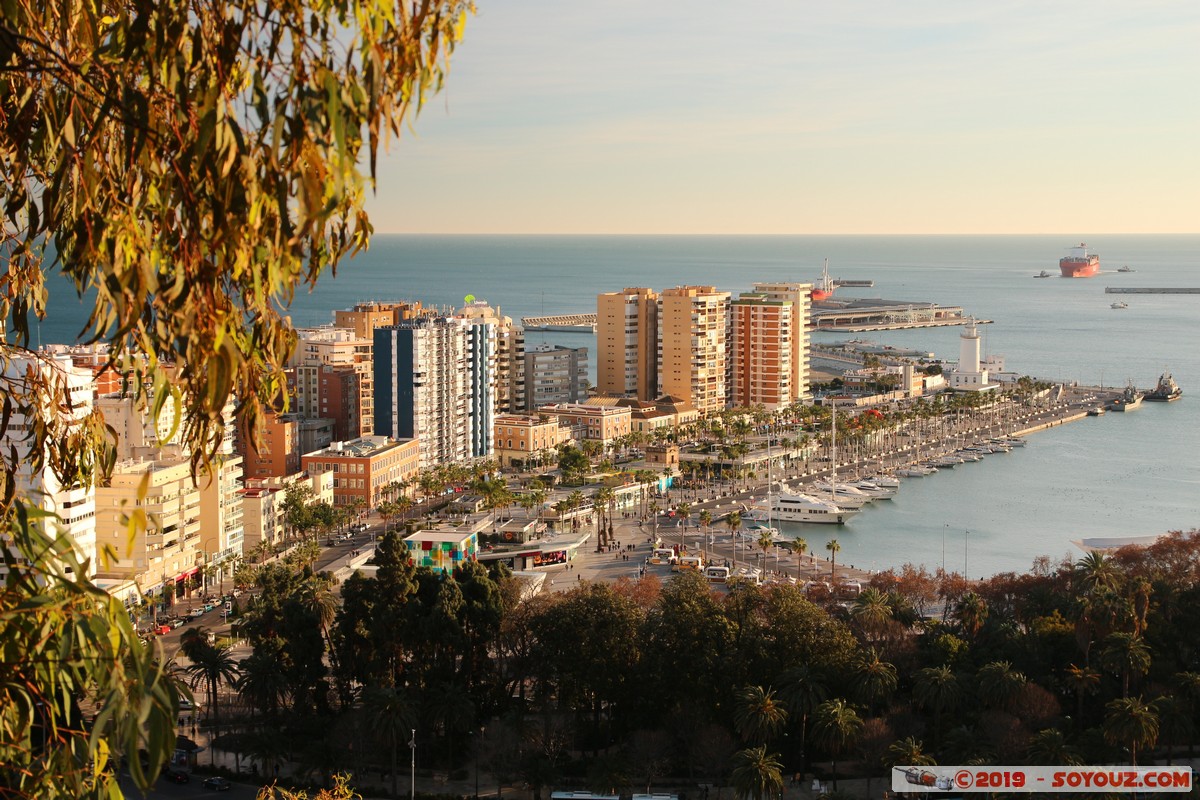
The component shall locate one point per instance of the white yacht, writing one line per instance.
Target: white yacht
(843, 495)
(945, 461)
(875, 490)
(793, 507)
(916, 471)
(886, 481)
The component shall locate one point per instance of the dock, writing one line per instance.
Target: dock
(1149, 290)
(877, 314)
(565, 323)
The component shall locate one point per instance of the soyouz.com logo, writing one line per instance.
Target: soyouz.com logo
(1042, 779)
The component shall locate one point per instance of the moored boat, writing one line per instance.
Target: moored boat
(1130, 399)
(1166, 391)
(795, 507)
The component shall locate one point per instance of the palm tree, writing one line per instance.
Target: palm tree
(833, 547)
(1133, 722)
(1125, 654)
(1097, 572)
(873, 678)
(757, 775)
(394, 718)
(908, 752)
(972, 612)
(262, 684)
(734, 522)
(1050, 748)
(212, 666)
(764, 543)
(836, 727)
(759, 715)
(999, 684)
(937, 688)
(1084, 680)
(872, 611)
(1174, 721)
(798, 548)
(802, 691)
(705, 519)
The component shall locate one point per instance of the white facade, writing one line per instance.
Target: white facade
(75, 506)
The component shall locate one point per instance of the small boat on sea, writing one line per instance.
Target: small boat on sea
(1166, 391)
(1128, 400)
(1120, 304)
(1126, 268)
(1042, 274)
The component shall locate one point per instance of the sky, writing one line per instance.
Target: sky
(928, 116)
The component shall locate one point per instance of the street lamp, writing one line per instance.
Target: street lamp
(412, 744)
(965, 533)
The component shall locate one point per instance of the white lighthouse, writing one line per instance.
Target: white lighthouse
(969, 375)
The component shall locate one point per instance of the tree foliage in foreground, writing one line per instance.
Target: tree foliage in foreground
(187, 166)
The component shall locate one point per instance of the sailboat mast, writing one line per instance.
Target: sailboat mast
(833, 442)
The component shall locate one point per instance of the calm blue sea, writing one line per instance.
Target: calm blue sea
(1118, 475)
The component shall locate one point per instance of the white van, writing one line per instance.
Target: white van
(662, 555)
(716, 574)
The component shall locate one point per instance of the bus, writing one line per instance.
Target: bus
(662, 555)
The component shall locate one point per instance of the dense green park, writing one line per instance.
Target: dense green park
(642, 684)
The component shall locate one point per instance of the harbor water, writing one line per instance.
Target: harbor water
(1119, 475)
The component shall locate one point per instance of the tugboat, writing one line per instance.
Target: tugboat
(1125, 268)
(1166, 391)
(1120, 304)
(1042, 274)
(1130, 399)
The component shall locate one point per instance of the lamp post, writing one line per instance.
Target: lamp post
(412, 785)
(965, 534)
(945, 527)
(478, 743)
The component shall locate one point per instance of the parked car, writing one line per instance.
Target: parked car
(217, 783)
(162, 629)
(176, 775)
(209, 606)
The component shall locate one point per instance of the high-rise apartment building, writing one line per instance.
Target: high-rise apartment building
(799, 296)
(555, 374)
(693, 339)
(74, 504)
(434, 381)
(364, 318)
(322, 380)
(761, 351)
(510, 379)
(627, 343)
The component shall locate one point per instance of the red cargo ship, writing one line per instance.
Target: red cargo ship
(1079, 264)
(824, 289)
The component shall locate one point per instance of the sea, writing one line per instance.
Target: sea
(1120, 475)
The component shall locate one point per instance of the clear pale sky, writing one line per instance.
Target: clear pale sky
(613, 116)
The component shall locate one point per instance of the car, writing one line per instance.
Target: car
(217, 783)
(179, 623)
(209, 606)
(176, 775)
(162, 630)
(197, 612)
